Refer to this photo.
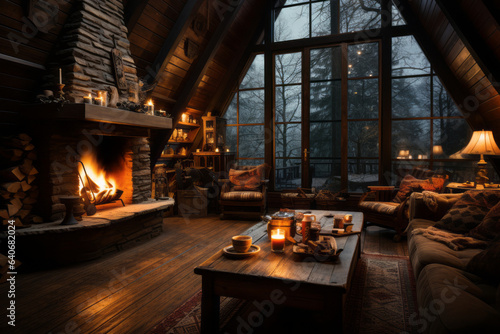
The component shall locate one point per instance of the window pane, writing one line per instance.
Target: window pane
(412, 137)
(288, 68)
(363, 98)
(363, 139)
(452, 135)
(363, 60)
(322, 19)
(231, 138)
(288, 104)
(288, 173)
(231, 111)
(362, 173)
(408, 58)
(291, 23)
(252, 106)
(251, 141)
(401, 168)
(443, 105)
(288, 140)
(250, 162)
(397, 19)
(325, 174)
(325, 140)
(464, 170)
(411, 97)
(325, 101)
(326, 63)
(357, 15)
(255, 74)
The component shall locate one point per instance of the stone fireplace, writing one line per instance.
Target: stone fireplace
(92, 57)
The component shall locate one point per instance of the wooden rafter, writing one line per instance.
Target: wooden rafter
(133, 12)
(476, 45)
(175, 36)
(452, 85)
(195, 75)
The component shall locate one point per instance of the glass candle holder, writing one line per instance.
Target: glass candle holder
(278, 240)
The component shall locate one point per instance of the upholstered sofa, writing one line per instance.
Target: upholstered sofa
(457, 284)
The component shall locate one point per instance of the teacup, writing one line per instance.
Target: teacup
(242, 243)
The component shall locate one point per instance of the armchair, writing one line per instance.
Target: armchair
(387, 206)
(243, 194)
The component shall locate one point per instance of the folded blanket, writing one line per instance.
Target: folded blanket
(453, 240)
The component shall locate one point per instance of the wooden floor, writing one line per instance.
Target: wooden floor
(131, 291)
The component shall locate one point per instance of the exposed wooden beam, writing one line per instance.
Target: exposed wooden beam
(195, 75)
(474, 42)
(458, 93)
(175, 36)
(233, 74)
(494, 8)
(133, 12)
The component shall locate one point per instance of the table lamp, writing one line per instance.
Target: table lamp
(482, 142)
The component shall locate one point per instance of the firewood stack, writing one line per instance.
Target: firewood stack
(18, 192)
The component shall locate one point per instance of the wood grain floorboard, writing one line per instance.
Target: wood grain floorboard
(125, 292)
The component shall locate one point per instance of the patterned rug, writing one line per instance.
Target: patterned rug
(382, 299)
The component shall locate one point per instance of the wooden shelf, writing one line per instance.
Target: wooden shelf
(180, 142)
(95, 113)
(187, 125)
(173, 156)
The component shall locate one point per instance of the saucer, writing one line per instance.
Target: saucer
(230, 252)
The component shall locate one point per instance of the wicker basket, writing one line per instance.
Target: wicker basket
(301, 198)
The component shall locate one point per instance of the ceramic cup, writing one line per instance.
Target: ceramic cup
(242, 243)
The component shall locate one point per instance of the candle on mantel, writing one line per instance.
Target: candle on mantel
(150, 107)
(217, 150)
(227, 150)
(87, 99)
(277, 240)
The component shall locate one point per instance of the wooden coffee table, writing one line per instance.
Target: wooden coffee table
(281, 278)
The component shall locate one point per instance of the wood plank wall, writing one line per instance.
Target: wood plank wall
(22, 64)
(483, 97)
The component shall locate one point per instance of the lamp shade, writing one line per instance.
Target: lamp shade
(482, 142)
(437, 150)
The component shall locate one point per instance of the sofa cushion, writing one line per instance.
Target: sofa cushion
(489, 228)
(244, 196)
(469, 211)
(454, 301)
(487, 263)
(410, 184)
(405, 188)
(387, 208)
(424, 251)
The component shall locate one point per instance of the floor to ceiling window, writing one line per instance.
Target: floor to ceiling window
(245, 116)
(327, 119)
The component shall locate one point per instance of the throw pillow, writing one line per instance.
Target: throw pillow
(405, 188)
(487, 263)
(248, 179)
(489, 228)
(468, 211)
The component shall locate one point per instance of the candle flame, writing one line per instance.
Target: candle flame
(150, 102)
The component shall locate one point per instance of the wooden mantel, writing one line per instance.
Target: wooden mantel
(95, 113)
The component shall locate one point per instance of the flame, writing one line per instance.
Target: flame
(150, 102)
(98, 185)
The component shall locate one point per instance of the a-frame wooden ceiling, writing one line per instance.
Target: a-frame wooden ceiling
(462, 41)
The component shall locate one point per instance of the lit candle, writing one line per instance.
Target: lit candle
(184, 117)
(150, 107)
(87, 99)
(278, 240)
(60, 76)
(227, 150)
(103, 96)
(217, 149)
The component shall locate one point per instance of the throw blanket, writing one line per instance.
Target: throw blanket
(453, 240)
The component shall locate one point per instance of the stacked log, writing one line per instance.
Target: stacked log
(18, 189)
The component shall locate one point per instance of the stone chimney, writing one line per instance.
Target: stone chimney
(94, 53)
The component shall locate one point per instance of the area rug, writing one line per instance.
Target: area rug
(382, 299)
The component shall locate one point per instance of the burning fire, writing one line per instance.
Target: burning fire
(96, 184)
